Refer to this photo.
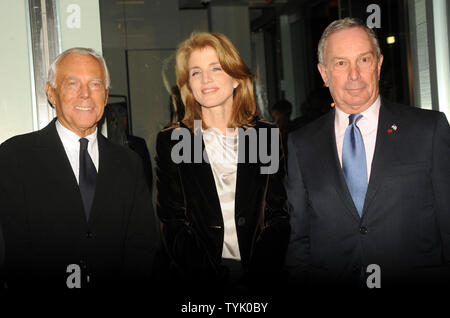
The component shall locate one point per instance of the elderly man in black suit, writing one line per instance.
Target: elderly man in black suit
(75, 208)
(369, 182)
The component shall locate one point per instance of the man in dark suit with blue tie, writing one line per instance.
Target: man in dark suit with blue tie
(368, 183)
(75, 208)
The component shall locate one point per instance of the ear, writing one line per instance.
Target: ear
(50, 93)
(235, 83)
(106, 96)
(380, 61)
(323, 73)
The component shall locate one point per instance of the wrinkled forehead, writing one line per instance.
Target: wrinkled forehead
(348, 42)
(82, 64)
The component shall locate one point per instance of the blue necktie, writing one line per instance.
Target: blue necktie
(354, 163)
(87, 177)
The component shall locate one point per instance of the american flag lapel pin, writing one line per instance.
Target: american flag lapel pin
(393, 128)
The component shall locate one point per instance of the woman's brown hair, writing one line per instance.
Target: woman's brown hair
(244, 105)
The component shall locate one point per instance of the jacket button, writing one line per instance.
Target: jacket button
(241, 221)
(89, 235)
(363, 230)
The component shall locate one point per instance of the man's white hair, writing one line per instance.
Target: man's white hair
(78, 50)
(344, 24)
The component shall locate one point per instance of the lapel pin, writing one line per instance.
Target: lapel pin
(393, 128)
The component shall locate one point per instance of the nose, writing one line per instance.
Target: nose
(354, 72)
(206, 77)
(84, 91)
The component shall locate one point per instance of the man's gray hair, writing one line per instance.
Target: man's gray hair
(78, 50)
(343, 24)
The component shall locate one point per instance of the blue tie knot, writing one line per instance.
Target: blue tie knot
(353, 119)
(83, 143)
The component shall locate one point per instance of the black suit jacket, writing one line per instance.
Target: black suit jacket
(405, 226)
(191, 219)
(44, 224)
(139, 146)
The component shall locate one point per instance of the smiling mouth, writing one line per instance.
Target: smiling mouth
(83, 108)
(209, 90)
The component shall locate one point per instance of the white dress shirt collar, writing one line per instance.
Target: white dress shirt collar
(71, 143)
(70, 137)
(367, 125)
(370, 114)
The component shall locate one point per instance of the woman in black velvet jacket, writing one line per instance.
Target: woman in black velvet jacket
(220, 197)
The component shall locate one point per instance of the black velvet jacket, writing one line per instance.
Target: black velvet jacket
(191, 219)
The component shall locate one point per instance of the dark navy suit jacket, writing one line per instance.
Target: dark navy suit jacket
(405, 226)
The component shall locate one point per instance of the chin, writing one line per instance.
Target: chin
(87, 123)
(357, 102)
(209, 105)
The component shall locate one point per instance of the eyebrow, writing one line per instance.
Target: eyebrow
(343, 58)
(76, 78)
(71, 78)
(210, 64)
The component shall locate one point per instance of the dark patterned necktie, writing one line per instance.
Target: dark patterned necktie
(354, 162)
(87, 177)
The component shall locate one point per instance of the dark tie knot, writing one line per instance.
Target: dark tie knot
(353, 118)
(83, 143)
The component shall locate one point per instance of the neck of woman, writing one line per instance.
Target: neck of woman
(217, 117)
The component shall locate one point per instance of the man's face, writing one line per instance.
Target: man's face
(80, 95)
(352, 70)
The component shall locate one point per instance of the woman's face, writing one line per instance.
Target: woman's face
(209, 83)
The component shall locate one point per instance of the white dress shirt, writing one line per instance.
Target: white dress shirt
(368, 126)
(71, 143)
(223, 156)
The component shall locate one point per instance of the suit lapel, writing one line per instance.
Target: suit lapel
(384, 147)
(52, 158)
(202, 174)
(245, 177)
(331, 165)
(108, 168)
